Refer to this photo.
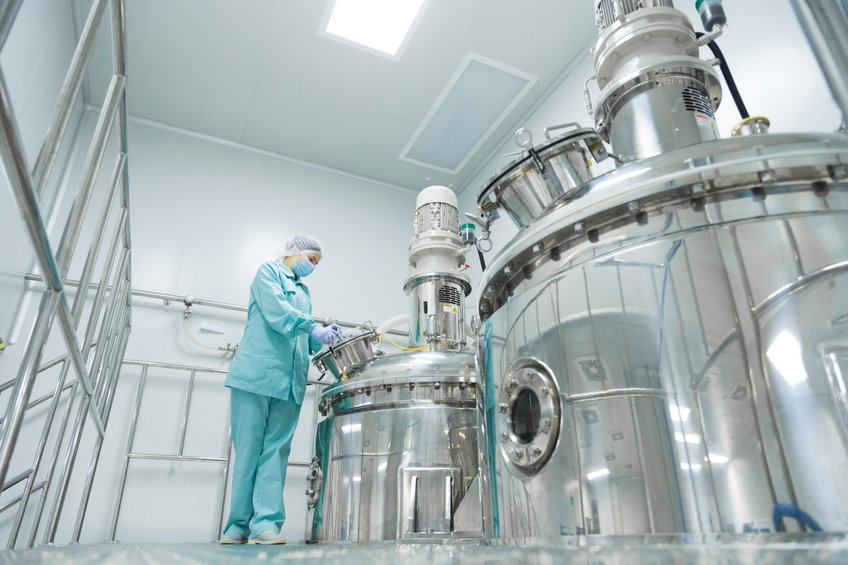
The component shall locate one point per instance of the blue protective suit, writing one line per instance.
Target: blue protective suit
(267, 379)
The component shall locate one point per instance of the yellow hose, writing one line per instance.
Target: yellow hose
(402, 347)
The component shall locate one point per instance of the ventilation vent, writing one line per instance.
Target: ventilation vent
(449, 295)
(696, 101)
(477, 98)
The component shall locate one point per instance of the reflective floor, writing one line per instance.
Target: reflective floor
(759, 549)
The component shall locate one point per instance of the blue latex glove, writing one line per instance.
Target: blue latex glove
(337, 329)
(325, 335)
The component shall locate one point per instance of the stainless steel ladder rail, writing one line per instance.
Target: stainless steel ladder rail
(129, 454)
(99, 378)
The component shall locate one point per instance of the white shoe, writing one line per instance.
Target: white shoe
(268, 537)
(232, 538)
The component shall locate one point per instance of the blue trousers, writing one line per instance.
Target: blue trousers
(262, 431)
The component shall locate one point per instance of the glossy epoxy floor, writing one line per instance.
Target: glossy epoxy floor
(760, 549)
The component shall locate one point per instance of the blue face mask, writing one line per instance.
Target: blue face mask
(303, 267)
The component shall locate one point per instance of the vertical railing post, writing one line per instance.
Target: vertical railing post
(122, 483)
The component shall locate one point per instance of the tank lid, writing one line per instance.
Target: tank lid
(635, 192)
(410, 367)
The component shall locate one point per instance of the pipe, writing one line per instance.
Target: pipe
(195, 301)
(705, 38)
(825, 23)
(588, 98)
(392, 323)
(8, 13)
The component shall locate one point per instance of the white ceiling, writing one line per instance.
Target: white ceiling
(257, 72)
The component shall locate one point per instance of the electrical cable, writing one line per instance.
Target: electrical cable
(482, 260)
(728, 77)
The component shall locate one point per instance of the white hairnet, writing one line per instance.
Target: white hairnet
(301, 244)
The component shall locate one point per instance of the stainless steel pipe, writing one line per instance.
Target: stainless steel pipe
(67, 97)
(194, 301)
(825, 24)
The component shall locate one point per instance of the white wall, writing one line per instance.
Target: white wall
(205, 215)
(771, 62)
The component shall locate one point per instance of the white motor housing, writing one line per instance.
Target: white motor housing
(436, 286)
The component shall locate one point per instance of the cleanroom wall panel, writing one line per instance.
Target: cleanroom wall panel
(204, 215)
(772, 64)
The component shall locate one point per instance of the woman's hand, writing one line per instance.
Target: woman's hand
(327, 336)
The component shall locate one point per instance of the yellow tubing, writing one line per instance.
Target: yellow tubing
(402, 347)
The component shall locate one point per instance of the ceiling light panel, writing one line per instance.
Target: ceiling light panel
(380, 26)
(477, 98)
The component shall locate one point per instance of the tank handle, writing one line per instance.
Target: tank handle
(549, 129)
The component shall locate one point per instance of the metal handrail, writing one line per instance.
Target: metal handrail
(129, 454)
(8, 13)
(98, 380)
(180, 456)
(161, 365)
(67, 97)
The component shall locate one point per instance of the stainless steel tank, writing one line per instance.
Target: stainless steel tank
(667, 352)
(397, 453)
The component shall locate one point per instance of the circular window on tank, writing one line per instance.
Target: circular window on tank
(526, 416)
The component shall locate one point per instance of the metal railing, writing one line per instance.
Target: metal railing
(179, 456)
(108, 326)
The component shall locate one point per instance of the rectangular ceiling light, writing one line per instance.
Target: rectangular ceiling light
(381, 25)
(478, 97)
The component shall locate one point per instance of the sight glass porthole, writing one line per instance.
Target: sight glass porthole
(526, 416)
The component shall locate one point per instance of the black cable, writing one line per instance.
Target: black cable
(728, 77)
(482, 260)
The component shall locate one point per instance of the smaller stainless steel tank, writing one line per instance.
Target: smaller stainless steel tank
(397, 454)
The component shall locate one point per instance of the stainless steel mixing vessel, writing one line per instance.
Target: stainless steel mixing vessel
(398, 452)
(666, 353)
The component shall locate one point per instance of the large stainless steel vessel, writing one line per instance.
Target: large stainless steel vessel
(398, 452)
(667, 353)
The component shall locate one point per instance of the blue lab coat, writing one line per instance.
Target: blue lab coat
(273, 357)
(267, 379)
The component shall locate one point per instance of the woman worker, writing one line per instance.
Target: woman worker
(267, 381)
